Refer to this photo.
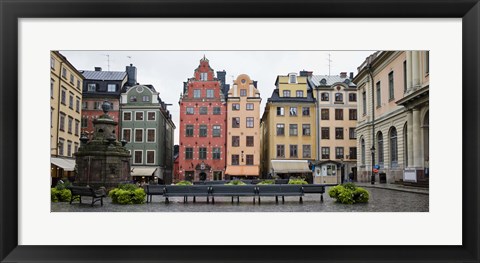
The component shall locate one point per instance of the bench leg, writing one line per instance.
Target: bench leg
(254, 200)
(208, 199)
(283, 199)
(194, 199)
(101, 201)
(93, 200)
(80, 199)
(259, 200)
(276, 199)
(213, 200)
(166, 200)
(238, 199)
(321, 198)
(232, 199)
(301, 199)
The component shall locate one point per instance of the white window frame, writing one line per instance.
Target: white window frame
(154, 156)
(154, 135)
(52, 86)
(123, 116)
(114, 87)
(143, 116)
(52, 62)
(213, 93)
(154, 116)
(195, 91)
(135, 135)
(130, 139)
(290, 78)
(133, 157)
(91, 85)
(203, 76)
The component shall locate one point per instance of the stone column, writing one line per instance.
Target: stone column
(410, 138)
(409, 70)
(417, 141)
(415, 69)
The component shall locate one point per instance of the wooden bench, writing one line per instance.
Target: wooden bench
(314, 189)
(233, 191)
(186, 191)
(155, 189)
(79, 191)
(280, 190)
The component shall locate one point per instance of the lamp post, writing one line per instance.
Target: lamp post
(370, 72)
(373, 164)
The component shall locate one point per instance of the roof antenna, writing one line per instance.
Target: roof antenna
(108, 61)
(329, 64)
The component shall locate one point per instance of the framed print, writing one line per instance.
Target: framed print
(34, 230)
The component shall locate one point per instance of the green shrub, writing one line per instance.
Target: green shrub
(184, 183)
(53, 195)
(349, 194)
(64, 185)
(267, 182)
(127, 195)
(235, 182)
(138, 196)
(297, 181)
(128, 187)
(62, 195)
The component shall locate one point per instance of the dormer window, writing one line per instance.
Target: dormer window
(92, 87)
(111, 87)
(292, 78)
(203, 76)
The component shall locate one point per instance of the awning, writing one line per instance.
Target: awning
(65, 164)
(290, 166)
(242, 170)
(143, 171)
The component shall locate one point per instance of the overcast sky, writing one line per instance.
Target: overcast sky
(167, 70)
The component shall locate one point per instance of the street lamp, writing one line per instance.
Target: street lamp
(373, 164)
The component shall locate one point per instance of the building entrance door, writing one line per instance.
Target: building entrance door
(203, 176)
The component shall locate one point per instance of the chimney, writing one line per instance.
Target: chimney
(98, 69)
(305, 73)
(343, 75)
(351, 75)
(131, 75)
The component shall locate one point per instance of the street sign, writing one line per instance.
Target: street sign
(376, 166)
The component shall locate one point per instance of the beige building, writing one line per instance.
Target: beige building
(393, 87)
(288, 129)
(336, 121)
(243, 129)
(65, 115)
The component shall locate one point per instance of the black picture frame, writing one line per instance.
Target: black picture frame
(12, 10)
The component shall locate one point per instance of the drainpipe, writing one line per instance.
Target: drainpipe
(58, 107)
(369, 69)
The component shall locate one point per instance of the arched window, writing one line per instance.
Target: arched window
(363, 150)
(380, 148)
(393, 147)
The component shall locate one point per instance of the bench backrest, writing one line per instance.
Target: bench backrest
(291, 188)
(312, 188)
(154, 189)
(81, 190)
(281, 181)
(229, 189)
(283, 188)
(177, 188)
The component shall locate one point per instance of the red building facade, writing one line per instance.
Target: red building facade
(203, 117)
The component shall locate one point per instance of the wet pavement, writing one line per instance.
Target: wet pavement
(382, 199)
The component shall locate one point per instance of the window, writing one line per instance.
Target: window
(280, 151)
(280, 129)
(307, 151)
(127, 116)
(203, 110)
(138, 135)
(249, 159)
(427, 62)
(210, 93)
(202, 153)
(293, 151)
(280, 111)
(133, 99)
(190, 111)
(78, 84)
(203, 131)
(393, 147)
(196, 93)
(293, 111)
(352, 114)
(250, 122)
(97, 105)
(352, 96)
(292, 78)
(339, 133)
(216, 110)
(250, 141)
(52, 62)
(339, 152)
(63, 98)
(216, 153)
(75, 148)
(352, 134)
(111, 87)
(404, 76)
(325, 114)
(52, 84)
(127, 135)
(139, 116)
(70, 101)
(64, 73)
(235, 141)
(364, 102)
(84, 105)
(235, 159)
(380, 148)
(189, 131)
(150, 157)
(150, 135)
(243, 92)
(324, 96)
(216, 131)
(77, 105)
(84, 122)
(69, 148)
(72, 79)
(338, 114)
(236, 122)
(362, 143)
(306, 111)
(236, 106)
(62, 121)
(325, 152)
(325, 133)
(188, 153)
(293, 131)
(51, 117)
(91, 87)
(60, 146)
(203, 76)
(286, 93)
(391, 90)
(299, 93)
(138, 157)
(338, 97)
(151, 115)
(306, 129)
(379, 95)
(353, 153)
(77, 127)
(145, 98)
(250, 106)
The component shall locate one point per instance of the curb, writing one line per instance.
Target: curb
(397, 189)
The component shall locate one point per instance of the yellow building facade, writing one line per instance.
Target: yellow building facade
(65, 115)
(288, 129)
(243, 129)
